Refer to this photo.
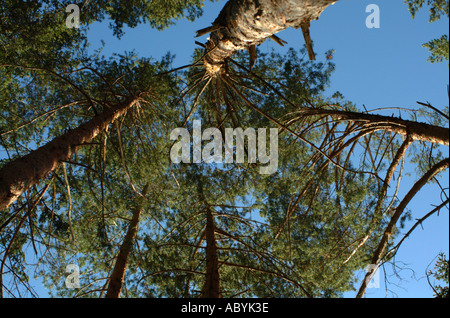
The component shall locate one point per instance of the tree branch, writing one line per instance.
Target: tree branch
(430, 174)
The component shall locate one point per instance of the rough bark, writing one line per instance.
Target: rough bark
(118, 273)
(21, 174)
(244, 23)
(211, 288)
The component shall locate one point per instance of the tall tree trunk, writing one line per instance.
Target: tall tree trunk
(245, 23)
(21, 174)
(211, 288)
(118, 273)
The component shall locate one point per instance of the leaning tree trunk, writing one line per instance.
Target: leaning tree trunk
(243, 24)
(118, 273)
(21, 174)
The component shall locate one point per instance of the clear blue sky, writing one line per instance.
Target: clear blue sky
(383, 67)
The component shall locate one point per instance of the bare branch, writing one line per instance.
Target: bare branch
(377, 255)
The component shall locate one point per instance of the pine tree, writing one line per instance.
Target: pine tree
(104, 194)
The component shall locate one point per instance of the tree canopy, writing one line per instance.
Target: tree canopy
(86, 175)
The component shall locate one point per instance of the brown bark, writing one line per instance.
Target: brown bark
(412, 129)
(308, 41)
(244, 23)
(21, 174)
(212, 282)
(389, 231)
(118, 273)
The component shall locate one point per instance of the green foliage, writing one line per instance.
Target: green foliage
(34, 34)
(158, 14)
(441, 273)
(268, 246)
(439, 47)
(170, 251)
(296, 233)
(437, 8)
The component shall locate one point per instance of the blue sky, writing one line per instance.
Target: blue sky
(385, 67)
